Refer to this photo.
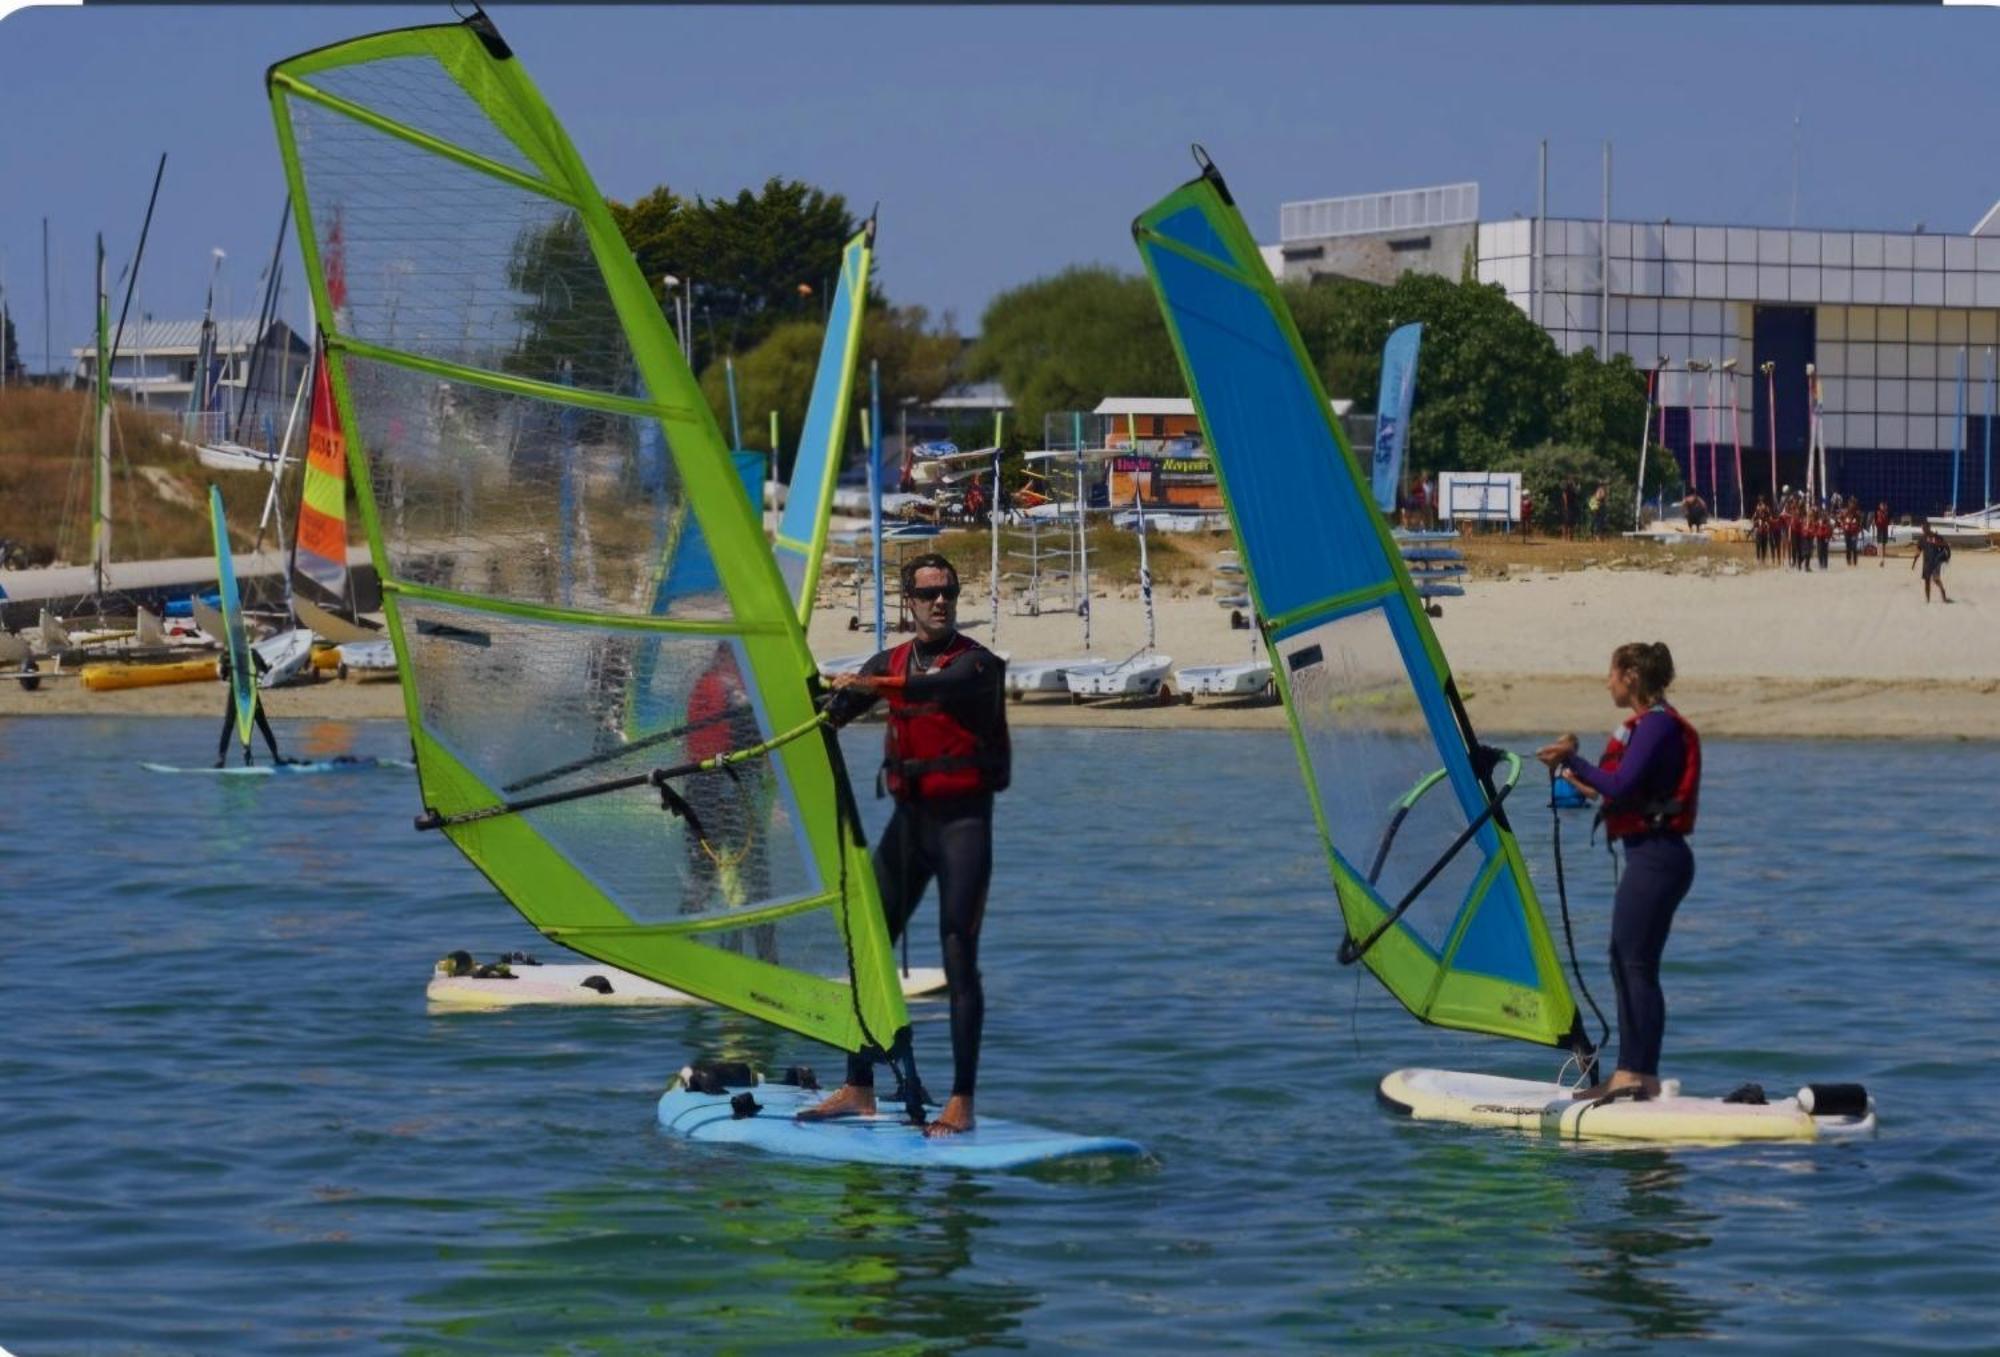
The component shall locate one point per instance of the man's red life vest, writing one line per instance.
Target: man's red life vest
(931, 754)
(1676, 812)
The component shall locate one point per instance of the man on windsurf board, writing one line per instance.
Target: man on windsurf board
(257, 708)
(946, 756)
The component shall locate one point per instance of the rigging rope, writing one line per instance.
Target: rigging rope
(1569, 933)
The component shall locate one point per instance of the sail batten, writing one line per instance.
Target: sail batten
(577, 589)
(1433, 892)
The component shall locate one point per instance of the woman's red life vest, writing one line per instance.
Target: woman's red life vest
(930, 753)
(1677, 811)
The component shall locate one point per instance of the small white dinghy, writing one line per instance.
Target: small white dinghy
(367, 659)
(1246, 679)
(1045, 676)
(1140, 676)
(288, 653)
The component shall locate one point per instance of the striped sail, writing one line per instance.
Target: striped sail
(1392, 768)
(809, 500)
(531, 461)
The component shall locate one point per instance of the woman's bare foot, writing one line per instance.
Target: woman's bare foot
(955, 1119)
(849, 1100)
(1621, 1081)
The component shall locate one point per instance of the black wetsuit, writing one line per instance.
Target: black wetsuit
(950, 839)
(257, 706)
(1659, 869)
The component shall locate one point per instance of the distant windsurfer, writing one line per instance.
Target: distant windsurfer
(1650, 781)
(722, 850)
(947, 755)
(262, 668)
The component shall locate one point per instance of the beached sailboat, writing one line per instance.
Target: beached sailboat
(1432, 889)
(1142, 673)
(642, 770)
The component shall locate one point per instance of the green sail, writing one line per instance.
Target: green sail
(235, 636)
(576, 586)
(1433, 891)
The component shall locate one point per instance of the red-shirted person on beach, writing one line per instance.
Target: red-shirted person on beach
(1823, 535)
(1882, 533)
(1850, 531)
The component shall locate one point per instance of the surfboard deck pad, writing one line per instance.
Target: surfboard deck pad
(993, 1144)
(594, 985)
(1549, 1109)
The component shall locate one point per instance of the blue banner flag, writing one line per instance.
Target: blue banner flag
(1392, 412)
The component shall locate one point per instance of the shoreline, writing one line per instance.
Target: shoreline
(1514, 705)
(1768, 653)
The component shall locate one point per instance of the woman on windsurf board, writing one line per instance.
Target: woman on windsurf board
(1650, 781)
(946, 756)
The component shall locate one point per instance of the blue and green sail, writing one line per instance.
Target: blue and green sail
(617, 727)
(235, 635)
(802, 529)
(1392, 768)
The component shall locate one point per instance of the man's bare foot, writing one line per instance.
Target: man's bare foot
(955, 1119)
(849, 1100)
(1621, 1081)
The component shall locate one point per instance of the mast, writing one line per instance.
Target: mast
(735, 422)
(100, 462)
(993, 533)
(875, 501)
(1082, 529)
(1958, 431)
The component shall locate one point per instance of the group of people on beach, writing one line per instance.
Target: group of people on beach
(1798, 531)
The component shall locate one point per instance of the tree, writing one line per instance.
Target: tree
(1601, 407)
(1067, 342)
(1486, 378)
(916, 362)
(756, 261)
(10, 350)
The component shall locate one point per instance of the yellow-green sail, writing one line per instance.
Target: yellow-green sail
(531, 460)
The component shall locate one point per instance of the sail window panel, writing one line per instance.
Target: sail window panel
(532, 707)
(420, 94)
(809, 941)
(485, 492)
(433, 258)
(1309, 536)
(1374, 762)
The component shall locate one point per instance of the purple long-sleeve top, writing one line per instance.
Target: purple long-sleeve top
(1650, 770)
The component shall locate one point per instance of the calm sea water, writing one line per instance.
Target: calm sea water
(230, 1125)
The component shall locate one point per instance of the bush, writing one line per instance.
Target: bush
(1544, 469)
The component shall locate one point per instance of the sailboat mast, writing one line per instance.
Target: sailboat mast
(993, 533)
(875, 501)
(1145, 567)
(100, 461)
(1082, 530)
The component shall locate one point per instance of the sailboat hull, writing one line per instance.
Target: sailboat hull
(1549, 1109)
(565, 984)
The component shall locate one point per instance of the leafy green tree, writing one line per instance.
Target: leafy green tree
(916, 362)
(1544, 469)
(756, 261)
(1067, 342)
(1486, 379)
(1601, 406)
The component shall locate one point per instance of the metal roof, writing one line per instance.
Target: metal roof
(184, 336)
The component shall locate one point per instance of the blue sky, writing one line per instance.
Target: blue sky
(1007, 143)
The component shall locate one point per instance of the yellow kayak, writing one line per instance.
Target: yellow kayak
(101, 678)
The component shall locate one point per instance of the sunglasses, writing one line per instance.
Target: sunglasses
(930, 593)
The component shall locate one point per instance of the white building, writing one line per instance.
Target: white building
(155, 363)
(1885, 317)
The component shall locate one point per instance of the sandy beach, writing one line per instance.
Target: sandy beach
(1848, 653)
